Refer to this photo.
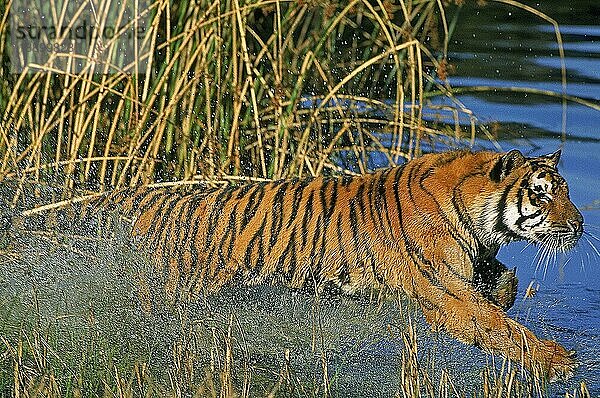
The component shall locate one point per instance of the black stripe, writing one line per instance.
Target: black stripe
(340, 239)
(360, 194)
(164, 244)
(293, 262)
(140, 196)
(154, 201)
(500, 226)
(255, 268)
(307, 217)
(196, 200)
(160, 216)
(243, 190)
(411, 178)
(464, 218)
(456, 274)
(383, 189)
(399, 171)
(323, 195)
(328, 204)
(182, 242)
(254, 200)
(373, 211)
(343, 275)
(380, 198)
(333, 197)
(289, 254)
(430, 276)
(222, 261)
(190, 236)
(354, 225)
(520, 194)
(346, 180)
(373, 265)
(230, 233)
(524, 218)
(298, 194)
(209, 261)
(412, 251)
(524, 187)
(216, 212)
(277, 214)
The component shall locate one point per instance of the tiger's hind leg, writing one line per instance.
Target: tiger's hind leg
(496, 282)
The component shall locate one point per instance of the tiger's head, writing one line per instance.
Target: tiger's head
(531, 202)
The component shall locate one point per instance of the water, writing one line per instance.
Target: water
(515, 49)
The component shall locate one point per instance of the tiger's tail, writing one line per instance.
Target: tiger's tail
(35, 208)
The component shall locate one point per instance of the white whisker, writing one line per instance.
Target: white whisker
(542, 260)
(549, 254)
(587, 233)
(592, 245)
(552, 249)
(527, 245)
(538, 257)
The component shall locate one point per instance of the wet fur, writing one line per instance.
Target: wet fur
(431, 228)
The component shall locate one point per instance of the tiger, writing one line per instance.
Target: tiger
(430, 228)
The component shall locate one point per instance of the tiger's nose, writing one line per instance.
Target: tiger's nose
(576, 225)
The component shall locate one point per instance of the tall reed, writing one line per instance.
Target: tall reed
(230, 89)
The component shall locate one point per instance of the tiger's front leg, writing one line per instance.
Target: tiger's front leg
(455, 306)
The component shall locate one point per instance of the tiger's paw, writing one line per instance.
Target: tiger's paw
(505, 291)
(560, 363)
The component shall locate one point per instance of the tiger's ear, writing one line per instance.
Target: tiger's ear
(552, 159)
(506, 164)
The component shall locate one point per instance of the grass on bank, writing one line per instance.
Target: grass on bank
(72, 324)
(102, 344)
(53, 362)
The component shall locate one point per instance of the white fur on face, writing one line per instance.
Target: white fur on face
(527, 217)
(541, 184)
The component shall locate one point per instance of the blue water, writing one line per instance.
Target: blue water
(567, 304)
